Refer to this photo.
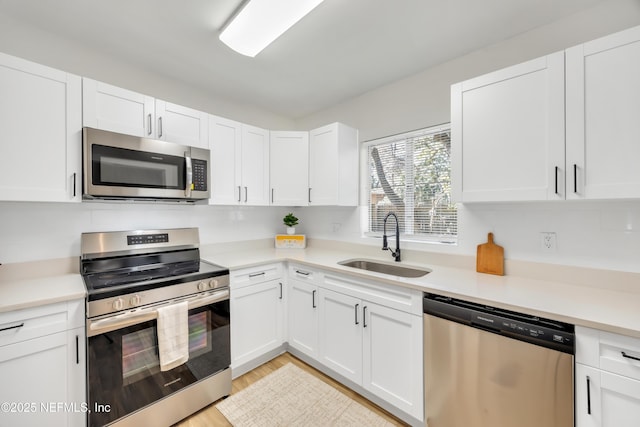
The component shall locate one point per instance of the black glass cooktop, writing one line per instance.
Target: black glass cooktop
(108, 277)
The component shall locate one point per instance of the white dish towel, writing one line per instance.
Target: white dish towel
(173, 335)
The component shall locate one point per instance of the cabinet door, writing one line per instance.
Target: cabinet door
(603, 107)
(77, 375)
(604, 399)
(225, 143)
(340, 334)
(333, 165)
(619, 400)
(508, 133)
(587, 405)
(255, 165)
(303, 317)
(41, 122)
(289, 168)
(35, 376)
(257, 320)
(182, 125)
(118, 110)
(392, 357)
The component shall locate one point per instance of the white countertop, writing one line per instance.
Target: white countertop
(609, 310)
(16, 294)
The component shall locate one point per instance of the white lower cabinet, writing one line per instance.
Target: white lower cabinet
(303, 317)
(365, 333)
(341, 334)
(372, 344)
(607, 379)
(392, 357)
(257, 315)
(43, 373)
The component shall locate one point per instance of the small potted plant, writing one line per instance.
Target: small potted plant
(290, 221)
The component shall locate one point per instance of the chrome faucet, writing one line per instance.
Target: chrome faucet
(395, 254)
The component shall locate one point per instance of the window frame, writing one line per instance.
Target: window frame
(366, 175)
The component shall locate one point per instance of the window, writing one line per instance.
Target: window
(410, 175)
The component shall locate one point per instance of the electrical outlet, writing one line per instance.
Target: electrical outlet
(548, 241)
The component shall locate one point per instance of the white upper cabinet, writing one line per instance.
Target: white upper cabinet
(225, 143)
(41, 122)
(115, 109)
(181, 125)
(603, 117)
(333, 166)
(120, 110)
(508, 133)
(239, 163)
(255, 165)
(289, 168)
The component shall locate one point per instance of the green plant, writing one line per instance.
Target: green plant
(290, 220)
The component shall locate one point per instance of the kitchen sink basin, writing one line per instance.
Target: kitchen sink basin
(391, 269)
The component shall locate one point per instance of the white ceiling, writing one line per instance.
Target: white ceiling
(341, 49)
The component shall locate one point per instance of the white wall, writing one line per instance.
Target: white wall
(36, 231)
(39, 46)
(590, 234)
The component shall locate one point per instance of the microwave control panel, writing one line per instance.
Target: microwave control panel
(199, 174)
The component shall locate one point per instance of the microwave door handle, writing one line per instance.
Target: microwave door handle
(189, 183)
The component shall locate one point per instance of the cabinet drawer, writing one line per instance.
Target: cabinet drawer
(620, 354)
(408, 300)
(304, 274)
(610, 352)
(253, 275)
(21, 325)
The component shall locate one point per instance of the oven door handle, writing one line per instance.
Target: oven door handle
(97, 327)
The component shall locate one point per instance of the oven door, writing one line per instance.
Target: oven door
(123, 364)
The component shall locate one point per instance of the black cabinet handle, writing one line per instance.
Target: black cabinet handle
(556, 179)
(74, 184)
(280, 290)
(588, 395)
(77, 350)
(272, 195)
(356, 311)
(364, 316)
(309, 194)
(304, 273)
(575, 178)
(12, 327)
(630, 357)
(313, 299)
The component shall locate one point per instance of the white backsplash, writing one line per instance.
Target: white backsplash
(36, 231)
(604, 235)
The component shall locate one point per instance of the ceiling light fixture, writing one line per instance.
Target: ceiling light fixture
(260, 22)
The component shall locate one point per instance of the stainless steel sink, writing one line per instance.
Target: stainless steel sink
(392, 269)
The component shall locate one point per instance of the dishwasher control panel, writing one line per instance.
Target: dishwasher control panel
(536, 330)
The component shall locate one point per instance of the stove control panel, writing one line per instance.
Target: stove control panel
(145, 239)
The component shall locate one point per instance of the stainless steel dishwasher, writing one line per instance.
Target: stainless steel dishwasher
(488, 367)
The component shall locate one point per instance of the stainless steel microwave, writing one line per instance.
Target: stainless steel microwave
(117, 166)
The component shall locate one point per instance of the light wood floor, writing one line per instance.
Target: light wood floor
(210, 416)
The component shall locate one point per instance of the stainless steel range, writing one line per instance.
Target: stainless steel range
(132, 279)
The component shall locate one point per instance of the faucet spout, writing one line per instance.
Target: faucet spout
(395, 254)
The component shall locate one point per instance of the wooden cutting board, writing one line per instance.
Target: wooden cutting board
(490, 258)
